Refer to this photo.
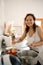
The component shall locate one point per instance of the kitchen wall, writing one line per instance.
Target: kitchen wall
(15, 10)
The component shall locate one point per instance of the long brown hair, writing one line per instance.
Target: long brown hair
(34, 25)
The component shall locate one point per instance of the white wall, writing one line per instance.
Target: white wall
(15, 10)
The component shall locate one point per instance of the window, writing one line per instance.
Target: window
(38, 23)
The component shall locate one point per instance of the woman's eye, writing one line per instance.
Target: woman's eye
(27, 20)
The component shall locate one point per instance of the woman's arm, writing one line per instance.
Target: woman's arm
(19, 39)
(41, 39)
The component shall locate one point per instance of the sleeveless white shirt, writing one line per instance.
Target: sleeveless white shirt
(35, 38)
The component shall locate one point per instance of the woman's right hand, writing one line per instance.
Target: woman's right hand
(13, 42)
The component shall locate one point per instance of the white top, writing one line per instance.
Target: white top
(35, 38)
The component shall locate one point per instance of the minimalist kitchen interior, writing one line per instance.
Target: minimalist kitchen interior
(12, 14)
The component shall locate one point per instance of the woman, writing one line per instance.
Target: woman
(30, 29)
(33, 33)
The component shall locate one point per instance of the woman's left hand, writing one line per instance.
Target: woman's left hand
(31, 45)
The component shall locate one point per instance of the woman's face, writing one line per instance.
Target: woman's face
(29, 21)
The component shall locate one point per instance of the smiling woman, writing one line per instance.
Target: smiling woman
(33, 33)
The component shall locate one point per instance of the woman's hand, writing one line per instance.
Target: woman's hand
(13, 42)
(31, 45)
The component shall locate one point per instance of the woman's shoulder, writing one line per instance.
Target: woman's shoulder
(39, 29)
